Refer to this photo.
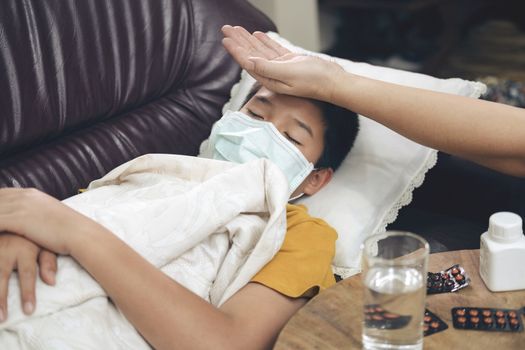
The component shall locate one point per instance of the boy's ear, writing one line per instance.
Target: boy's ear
(317, 180)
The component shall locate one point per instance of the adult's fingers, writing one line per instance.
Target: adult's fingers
(47, 262)
(268, 69)
(242, 38)
(258, 46)
(269, 42)
(236, 35)
(26, 267)
(238, 53)
(257, 67)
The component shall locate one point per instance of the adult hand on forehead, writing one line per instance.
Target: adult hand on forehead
(279, 69)
(242, 45)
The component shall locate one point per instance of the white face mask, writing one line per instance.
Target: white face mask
(238, 138)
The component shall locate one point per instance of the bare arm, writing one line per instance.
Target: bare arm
(168, 315)
(488, 133)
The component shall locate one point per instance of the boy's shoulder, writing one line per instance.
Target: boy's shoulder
(302, 266)
(298, 218)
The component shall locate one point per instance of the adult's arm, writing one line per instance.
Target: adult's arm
(487, 133)
(168, 315)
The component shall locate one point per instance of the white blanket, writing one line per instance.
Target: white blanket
(209, 225)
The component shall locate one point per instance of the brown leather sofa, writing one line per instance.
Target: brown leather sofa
(86, 85)
(89, 84)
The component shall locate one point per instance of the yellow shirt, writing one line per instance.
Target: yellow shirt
(302, 267)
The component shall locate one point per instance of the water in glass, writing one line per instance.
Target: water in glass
(398, 291)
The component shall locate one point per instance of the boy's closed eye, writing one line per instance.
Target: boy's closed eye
(292, 139)
(254, 115)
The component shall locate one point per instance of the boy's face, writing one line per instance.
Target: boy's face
(297, 119)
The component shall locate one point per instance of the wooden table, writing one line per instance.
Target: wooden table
(332, 320)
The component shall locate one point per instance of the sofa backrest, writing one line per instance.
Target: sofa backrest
(87, 85)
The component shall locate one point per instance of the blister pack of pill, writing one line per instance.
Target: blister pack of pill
(450, 280)
(487, 319)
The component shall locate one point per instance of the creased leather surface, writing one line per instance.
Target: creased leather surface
(89, 84)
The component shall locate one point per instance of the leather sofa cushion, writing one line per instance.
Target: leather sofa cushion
(91, 84)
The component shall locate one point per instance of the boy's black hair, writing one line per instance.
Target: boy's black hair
(341, 128)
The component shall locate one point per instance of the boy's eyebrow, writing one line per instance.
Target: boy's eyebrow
(263, 100)
(304, 126)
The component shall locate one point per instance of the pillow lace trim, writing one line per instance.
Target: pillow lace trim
(391, 215)
(406, 196)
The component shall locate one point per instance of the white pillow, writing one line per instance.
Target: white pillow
(383, 168)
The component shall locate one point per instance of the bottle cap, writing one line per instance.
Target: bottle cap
(505, 227)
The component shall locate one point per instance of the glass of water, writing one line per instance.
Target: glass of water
(394, 276)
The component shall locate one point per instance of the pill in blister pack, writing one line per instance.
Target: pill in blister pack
(449, 280)
(432, 324)
(487, 319)
(377, 317)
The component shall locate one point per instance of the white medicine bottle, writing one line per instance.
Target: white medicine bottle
(502, 253)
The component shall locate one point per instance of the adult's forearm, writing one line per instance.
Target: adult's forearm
(489, 133)
(168, 315)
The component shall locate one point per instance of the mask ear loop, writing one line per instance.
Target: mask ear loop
(302, 194)
(296, 197)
